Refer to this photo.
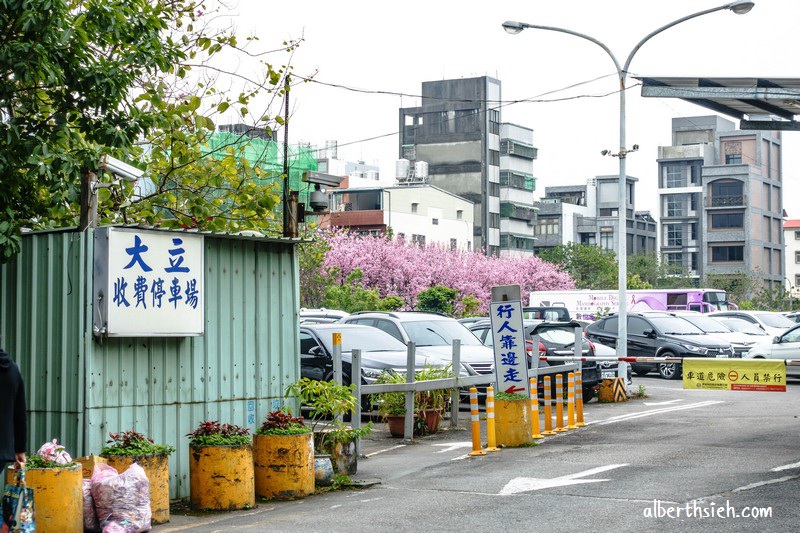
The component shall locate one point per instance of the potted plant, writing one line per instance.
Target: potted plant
(57, 484)
(130, 447)
(283, 457)
(221, 474)
(329, 402)
(512, 414)
(429, 406)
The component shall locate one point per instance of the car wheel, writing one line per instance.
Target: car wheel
(588, 394)
(669, 370)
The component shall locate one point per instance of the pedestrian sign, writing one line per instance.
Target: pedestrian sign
(508, 335)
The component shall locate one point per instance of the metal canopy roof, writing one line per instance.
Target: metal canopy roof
(748, 99)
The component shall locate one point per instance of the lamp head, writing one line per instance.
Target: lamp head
(605, 152)
(740, 7)
(513, 27)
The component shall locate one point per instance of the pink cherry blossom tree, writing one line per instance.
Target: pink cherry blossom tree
(397, 268)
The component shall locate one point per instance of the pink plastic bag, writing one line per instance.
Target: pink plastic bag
(122, 501)
(89, 515)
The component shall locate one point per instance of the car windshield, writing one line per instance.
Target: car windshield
(774, 320)
(364, 338)
(707, 324)
(439, 333)
(675, 326)
(742, 326)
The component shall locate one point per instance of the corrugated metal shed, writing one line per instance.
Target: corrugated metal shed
(80, 389)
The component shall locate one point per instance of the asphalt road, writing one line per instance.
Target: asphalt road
(713, 456)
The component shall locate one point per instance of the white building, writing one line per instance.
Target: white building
(791, 236)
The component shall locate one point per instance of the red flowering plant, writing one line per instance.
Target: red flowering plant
(212, 433)
(134, 443)
(283, 423)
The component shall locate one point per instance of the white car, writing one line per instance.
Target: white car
(772, 322)
(741, 342)
(784, 346)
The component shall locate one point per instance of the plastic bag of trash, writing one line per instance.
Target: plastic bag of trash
(89, 515)
(122, 501)
(53, 451)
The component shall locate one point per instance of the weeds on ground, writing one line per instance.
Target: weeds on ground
(639, 393)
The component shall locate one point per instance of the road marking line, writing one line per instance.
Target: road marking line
(786, 467)
(527, 484)
(385, 450)
(649, 404)
(631, 416)
(450, 446)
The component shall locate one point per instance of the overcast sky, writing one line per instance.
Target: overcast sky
(371, 58)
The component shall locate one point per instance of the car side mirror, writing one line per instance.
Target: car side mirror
(776, 340)
(650, 334)
(316, 351)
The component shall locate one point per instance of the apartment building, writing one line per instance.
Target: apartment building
(720, 200)
(791, 236)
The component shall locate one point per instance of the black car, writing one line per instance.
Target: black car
(555, 338)
(655, 334)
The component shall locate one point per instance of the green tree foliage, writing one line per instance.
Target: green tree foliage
(351, 296)
(739, 286)
(134, 79)
(313, 282)
(656, 274)
(588, 265)
(437, 299)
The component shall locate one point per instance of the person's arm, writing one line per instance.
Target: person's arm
(20, 425)
(20, 461)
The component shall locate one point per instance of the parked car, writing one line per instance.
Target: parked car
(772, 322)
(432, 332)
(555, 338)
(380, 352)
(659, 334)
(783, 346)
(321, 315)
(793, 316)
(746, 327)
(741, 342)
(547, 312)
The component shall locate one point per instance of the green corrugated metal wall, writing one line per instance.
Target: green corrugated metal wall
(163, 387)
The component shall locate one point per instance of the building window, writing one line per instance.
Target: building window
(733, 152)
(588, 238)
(414, 207)
(797, 280)
(607, 239)
(494, 189)
(726, 192)
(453, 244)
(675, 207)
(546, 226)
(418, 239)
(494, 122)
(693, 258)
(459, 214)
(674, 235)
(797, 235)
(516, 180)
(727, 254)
(696, 172)
(733, 159)
(797, 257)
(494, 220)
(435, 221)
(494, 158)
(693, 232)
(727, 220)
(674, 176)
(675, 259)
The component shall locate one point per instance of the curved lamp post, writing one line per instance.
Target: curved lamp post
(740, 7)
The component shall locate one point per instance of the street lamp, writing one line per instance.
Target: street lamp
(739, 7)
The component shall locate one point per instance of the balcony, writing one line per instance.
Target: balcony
(726, 201)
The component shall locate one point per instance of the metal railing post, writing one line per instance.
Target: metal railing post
(455, 394)
(408, 427)
(355, 378)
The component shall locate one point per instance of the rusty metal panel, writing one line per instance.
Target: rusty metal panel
(41, 326)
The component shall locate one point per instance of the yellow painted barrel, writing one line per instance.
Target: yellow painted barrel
(57, 497)
(156, 467)
(512, 422)
(284, 466)
(221, 478)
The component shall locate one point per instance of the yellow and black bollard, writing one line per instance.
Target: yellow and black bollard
(491, 438)
(535, 433)
(579, 398)
(548, 411)
(476, 423)
(571, 401)
(560, 404)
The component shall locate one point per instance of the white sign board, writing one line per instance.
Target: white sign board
(154, 283)
(508, 335)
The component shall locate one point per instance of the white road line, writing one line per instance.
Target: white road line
(786, 467)
(653, 404)
(385, 450)
(529, 484)
(631, 416)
